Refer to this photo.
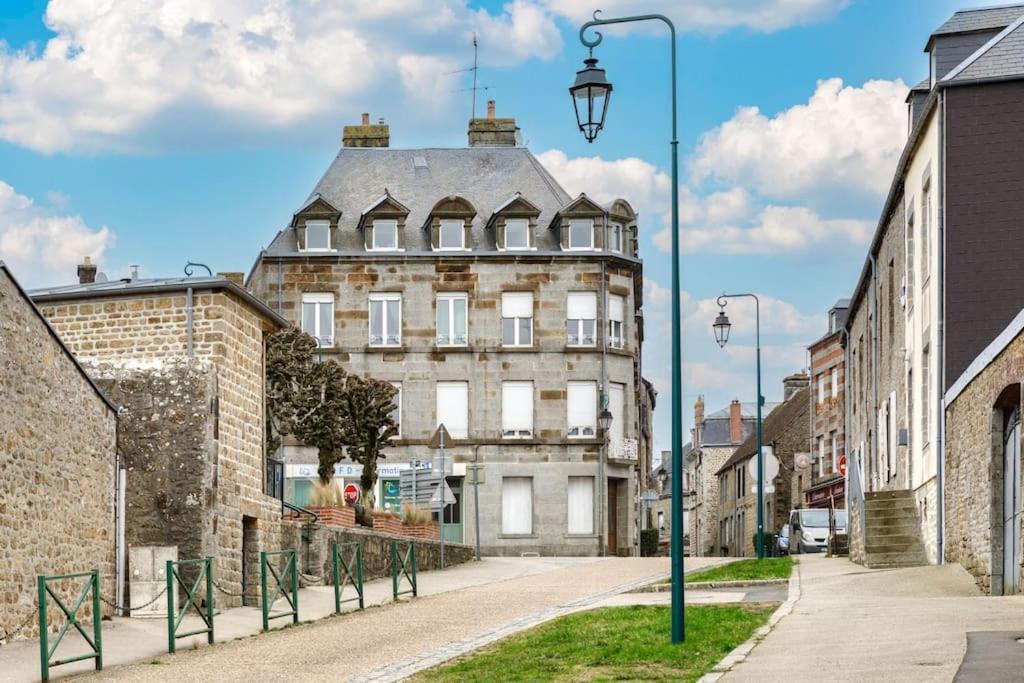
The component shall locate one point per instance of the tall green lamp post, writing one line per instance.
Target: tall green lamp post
(722, 327)
(590, 95)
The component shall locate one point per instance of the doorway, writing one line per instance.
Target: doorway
(250, 562)
(613, 517)
(453, 513)
(1011, 504)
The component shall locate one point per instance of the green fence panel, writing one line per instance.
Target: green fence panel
(175, 615)
(403, 566)
(46, 651)
(352, 567)
(286, 585)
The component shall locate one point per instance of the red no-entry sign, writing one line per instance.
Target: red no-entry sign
(842, 465)
(351, 492)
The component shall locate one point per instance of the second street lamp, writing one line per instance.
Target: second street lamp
(590, 95)
(722, 328)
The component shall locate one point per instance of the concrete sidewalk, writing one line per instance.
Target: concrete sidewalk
(140, 639)
(858, 624)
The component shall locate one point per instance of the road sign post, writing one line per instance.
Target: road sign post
(439, 440)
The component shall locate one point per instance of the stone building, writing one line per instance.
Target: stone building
(57, 486)
(185, 356)
(821, 484)
(499, 306)
(940, 281)
(714, 438)
(784, 431)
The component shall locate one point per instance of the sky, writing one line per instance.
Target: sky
(156, 132)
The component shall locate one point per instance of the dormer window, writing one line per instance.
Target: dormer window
(449, 223)
(383, 223)
(318, 236)
(514, 223)
(615, 232)
(452, 234)
(385, 235)
(581, 234)
(517, 233)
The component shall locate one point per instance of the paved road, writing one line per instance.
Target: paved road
(389, 642)
(863, 625)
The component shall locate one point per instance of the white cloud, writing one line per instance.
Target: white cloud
(842, 139)
(710, 16)
(777, 317)
(108, 77)
(638, 181)
(40, 245)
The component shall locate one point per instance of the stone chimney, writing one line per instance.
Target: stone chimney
(237, 277)
(698, 420)
(793, 384)
(366, 134)
(86, 272)
(735, 422)
(493, 132)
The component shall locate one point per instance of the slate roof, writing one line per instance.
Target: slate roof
(126, 287)
(420, 178)
(776, 422)
(1002, 56)
(980, 19)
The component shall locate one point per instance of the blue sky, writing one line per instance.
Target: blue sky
(173, 134)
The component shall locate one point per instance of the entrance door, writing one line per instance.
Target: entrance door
(1011, 506)
(453, 513)
(613, 517)
(250, 563)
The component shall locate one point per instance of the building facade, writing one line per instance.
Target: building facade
(500, 307)
(821, 483)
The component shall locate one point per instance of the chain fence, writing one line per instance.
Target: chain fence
(7, 636)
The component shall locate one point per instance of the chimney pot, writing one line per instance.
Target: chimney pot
(735, 421)
(492, 131)
(490, 110)
(366, 118)
(366, 134)
(86, 272)
(234, 276)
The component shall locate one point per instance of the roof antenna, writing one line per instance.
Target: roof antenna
(474, 76)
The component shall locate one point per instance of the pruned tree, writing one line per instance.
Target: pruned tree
(367, 425)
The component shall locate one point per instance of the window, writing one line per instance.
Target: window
(517, 233)
(893, 294)
(661, 521)
(385, 319)
(581, 409)
(925, 412)
(451, 319)
(318, 317)
(910, 260)
(581, 505)
(835, 381)
(452, 234)
(385, 235)
(616, 316)
(821, 387)
(615, 234)
(396, 414)
(318, 236)
(516, 409)
(835, 451)
(821, 456)
(453, 408)
(517, 319)
(926, 219)
(517, 506)
(617, 407)
(581, 233)
(741, 482)
(581, 319)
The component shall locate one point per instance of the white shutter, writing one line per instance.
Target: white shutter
(517, 305)
(892, 434)
(835, 381)
(517, 408)
(581, 505)
(581, 408)
(617, 406)
(453, 408)
(581, 306)
(882, 452)
(517, 505)
(616, 308)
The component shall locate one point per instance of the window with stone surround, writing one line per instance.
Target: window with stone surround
(517, 319)
(516, 410)
(581, 234)
(318, 317)
(581, 319)
(385, 235)
(385, 319)
(452, 408)
(396, 413)
(318, 236)
(616, 321)
(581, 409)
(451, 319)
(615, 237)
(452, 235)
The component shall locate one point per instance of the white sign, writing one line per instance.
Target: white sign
(771, 465)
(446, 491)
(767, 489)
(351, 470)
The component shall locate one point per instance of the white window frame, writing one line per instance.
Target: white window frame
(575, 326)
(386, 298)
(580, 431)
(617, 395)
(398, 407)
(835, 451)
(616, 328)
(507, 527)
(461, 226)
(516, 340)
(590, 245)
(511, 392)
(617, 238)
(318, 300)
(449, 300)
(526, 233)
(821, 456)
(821, 387)
(457, 431)
(580, 522)
(305, 240)
(835, 381)
(391, 224)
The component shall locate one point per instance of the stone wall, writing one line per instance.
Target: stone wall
(57, 467)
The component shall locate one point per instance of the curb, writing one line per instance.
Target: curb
(740, 652)
(704, 585)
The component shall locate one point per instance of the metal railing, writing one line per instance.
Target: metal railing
(286, 585)
(351, 567)
(192, 593)
(403, 566)
(46, 652)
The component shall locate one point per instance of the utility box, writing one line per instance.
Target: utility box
(147, 566)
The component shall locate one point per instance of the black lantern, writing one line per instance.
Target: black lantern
(722, 327)
(604, 420)
(590, 95)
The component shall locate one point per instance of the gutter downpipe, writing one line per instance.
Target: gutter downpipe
(188, 322)
(602, 482)
(940, 331)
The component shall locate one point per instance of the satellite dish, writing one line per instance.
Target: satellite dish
(802, 460)
(101, 277)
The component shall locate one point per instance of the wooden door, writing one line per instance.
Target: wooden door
(613, 518)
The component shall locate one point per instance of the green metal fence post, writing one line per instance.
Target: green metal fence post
(96, 625)
(172, 606)
(263, 590)
(336, 575)
(412, 550)
(359, 572)
(394, 570)
(209, 597)
(44, 649)
(295, 586)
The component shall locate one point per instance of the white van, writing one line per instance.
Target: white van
(808, 529)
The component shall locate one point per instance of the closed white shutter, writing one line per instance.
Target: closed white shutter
(517, 409)
(581, 306)
(835, 381)
(453, 408)
(893, 436)
(517, 506)
(616, 308)
(517, 305)
(617, 407)
(581, 409)
(581, 505)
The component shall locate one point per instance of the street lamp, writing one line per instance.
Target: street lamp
(722, 327)
(592, 87)
(604, 421)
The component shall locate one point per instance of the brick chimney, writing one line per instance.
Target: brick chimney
(735, 422)
(493, 132)
(86, 272)
(793, 384)
(698, 420)
(237, 277)
(366, 134)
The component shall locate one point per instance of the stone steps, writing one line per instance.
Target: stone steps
(892, 533)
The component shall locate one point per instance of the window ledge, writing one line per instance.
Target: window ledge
(374, 348)
(592, 537)
(386, 250)
(517, 536)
